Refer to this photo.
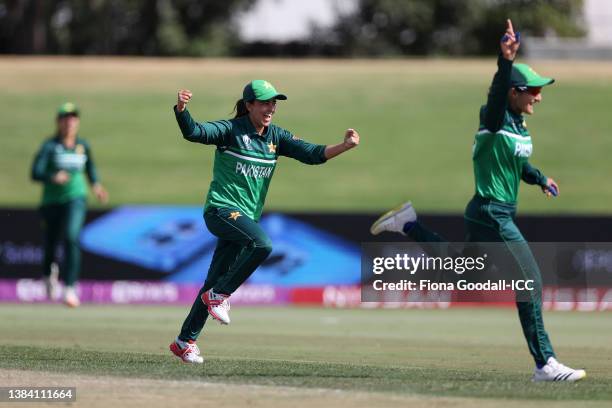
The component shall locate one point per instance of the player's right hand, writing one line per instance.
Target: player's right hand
(510, 42)
(184, 96)
(61, 177)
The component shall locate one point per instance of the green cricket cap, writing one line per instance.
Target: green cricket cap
(261, 90)
(523, 76)
(67, 109)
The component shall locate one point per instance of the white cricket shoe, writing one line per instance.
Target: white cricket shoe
(218, 305)
(555, 371)
(395, 220)
(71, 298)
(189, 351)
(52, 283)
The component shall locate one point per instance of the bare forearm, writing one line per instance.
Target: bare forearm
(332, 151)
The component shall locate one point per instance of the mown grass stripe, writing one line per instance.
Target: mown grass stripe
(406, 380)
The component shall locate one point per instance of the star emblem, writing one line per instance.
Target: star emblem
(272, 147)
(234, 215)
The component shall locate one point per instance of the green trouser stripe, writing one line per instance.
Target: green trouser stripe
(63, 222)
(242, 247)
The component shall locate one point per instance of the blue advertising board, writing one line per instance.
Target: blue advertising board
(174, 242)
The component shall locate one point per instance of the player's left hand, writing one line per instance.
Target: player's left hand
(351, 138)
(100, 193)
(551, 189)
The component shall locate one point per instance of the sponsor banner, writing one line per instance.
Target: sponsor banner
(134, 292)
(151, 293)
(554, 299)
(171, 243)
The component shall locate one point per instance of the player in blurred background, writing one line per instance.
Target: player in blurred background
(61, 165)
(500, 155)
(248, 147)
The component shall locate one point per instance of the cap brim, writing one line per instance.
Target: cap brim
(272, 95)
(65, 114)
(539, 82)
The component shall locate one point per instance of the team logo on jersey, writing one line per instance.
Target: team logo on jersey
(271, 147)
(234, 215)
(247, 142)
(79, 149)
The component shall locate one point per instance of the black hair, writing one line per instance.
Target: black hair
(240, 108)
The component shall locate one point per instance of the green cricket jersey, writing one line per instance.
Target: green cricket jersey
(244, 160)
(52, 157)
(502, 145)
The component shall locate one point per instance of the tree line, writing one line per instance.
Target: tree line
(209, 27)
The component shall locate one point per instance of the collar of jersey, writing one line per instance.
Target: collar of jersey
(517, 117)
(251, 128)
(77, 141)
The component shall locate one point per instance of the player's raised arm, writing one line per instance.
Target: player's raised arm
(205, 133)
(497, 100)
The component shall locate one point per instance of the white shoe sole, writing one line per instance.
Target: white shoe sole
(386, 216)
(582, 375)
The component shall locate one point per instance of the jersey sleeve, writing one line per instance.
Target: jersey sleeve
(296, 148)
(210, 133)
(531, 175)
(40, 163)
(90, 166)
(497, 100)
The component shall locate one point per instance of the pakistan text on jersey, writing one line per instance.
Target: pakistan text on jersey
(523, 149)
(249, 170)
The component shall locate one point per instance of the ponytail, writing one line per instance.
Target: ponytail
(240, 108)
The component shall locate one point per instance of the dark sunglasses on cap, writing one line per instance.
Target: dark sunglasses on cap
(531, 90)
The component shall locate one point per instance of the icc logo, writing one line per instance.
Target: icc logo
(247, 141)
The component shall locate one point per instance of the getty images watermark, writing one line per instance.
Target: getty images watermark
(481, 272)
(458, 265)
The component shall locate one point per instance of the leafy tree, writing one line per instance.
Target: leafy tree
(128, 27)
(392, 27)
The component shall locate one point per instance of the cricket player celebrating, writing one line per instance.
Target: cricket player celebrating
(248, 147)
(501, 150)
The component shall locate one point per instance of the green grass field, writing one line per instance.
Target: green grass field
(416, 118)
(472, 357)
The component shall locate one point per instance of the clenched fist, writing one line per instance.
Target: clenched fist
(184, 96)
(351, 138)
